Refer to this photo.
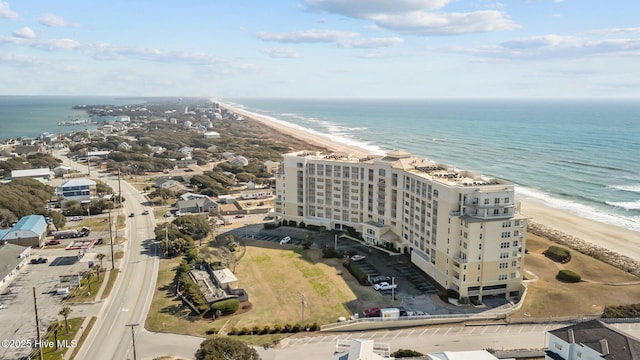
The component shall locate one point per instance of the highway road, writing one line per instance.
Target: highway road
(111, 337)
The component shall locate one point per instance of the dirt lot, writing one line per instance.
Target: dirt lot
(547, 297)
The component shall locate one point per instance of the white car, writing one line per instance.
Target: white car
(358, 257)
(384, 286)
(2, 306)
(285, 240)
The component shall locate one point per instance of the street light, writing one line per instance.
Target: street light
(393, 290)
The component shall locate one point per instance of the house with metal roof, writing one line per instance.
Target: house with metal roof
(30, 230)
(43, 173)
(12, 258)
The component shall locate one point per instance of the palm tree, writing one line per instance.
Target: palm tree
(65, 312)
(97, 268)
(54, 328)
(101, 256)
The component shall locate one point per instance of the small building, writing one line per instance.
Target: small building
(226, 199)
(60, 170)
(42, 173)
(165, 183)
(591, 340)
(239, 161)
(185, 162)
(30, 230)
(102, 154)
(196, 205)
(81, 190)
(271, 166)
(225, 279)
(256, 194)
(12, 257)
(124, 146)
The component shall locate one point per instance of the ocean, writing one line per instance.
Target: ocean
(578, 155)
(30, 116)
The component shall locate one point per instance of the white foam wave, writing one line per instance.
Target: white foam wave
(342, 139)
(585, 211)
(627, 205)
(629, 188)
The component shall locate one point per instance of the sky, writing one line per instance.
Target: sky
(321, 48)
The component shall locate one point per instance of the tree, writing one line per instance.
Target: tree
(224, 348)
(195, 226)
(307, 242)
(97, 268)
(401, 353)
(65, 312)
(101, 256)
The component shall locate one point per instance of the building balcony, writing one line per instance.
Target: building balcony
(457, 258)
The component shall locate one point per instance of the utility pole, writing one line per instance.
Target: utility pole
(133, 337)
(39, 341)
(113, 265)
(119, 191)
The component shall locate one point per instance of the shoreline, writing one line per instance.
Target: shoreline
(619, 240)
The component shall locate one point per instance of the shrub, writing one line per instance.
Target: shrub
(226, 307)
(355, 270)
(314, 327)
(302, 225)
(256, 330)
(276, 329)
(329, 252)
(568, 276)
(558, 254)
(211, 331)
(402, 353)
(270, 225)
(621, 311)
(296, 328)
(265, 330)
(287, 328)
(233, 331)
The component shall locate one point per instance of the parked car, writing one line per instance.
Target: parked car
(358, 257)
(239, 216)
(53, 242)
(379, 279)
(100, 241)
(145, 212)
(132, 215)
(384, 286)
(76, 218)
(2, 306)
(372, 312)
(39, 260)
(285, 240)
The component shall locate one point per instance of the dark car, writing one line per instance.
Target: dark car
(39, 260)
(132, 215)
(53, 242)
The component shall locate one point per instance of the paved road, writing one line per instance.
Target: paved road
(129, 302)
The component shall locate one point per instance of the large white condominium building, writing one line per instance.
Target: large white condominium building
(462, 229)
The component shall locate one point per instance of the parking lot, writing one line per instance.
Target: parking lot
(18, 317)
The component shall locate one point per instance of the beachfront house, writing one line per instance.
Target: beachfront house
(461, 229)
(196, 205)
(30, 230)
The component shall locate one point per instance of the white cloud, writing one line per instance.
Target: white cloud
(308, 36)
(372, 43)
(367, 8)
(42, 44)
(424, 23)
(282, 53)
(6, 12)
(20, 60)
(614, 31)
(556, 46)
(25, 33)
(52, 20)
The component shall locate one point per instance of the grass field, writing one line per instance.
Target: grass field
(602, 284)
(275, 279)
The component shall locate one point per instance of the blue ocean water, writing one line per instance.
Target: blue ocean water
(579, 155)
(30, 116)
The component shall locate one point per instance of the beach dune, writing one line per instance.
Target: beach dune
(616, 239)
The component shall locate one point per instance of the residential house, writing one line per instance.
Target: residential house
(185, 150)
(25, 150)
(13, 258)
(30, 230)
(81, 190)
(124, 146)
(165, 183)
(196, 205)
(591, 340)
(256, 194)
(60, 170)
(187, 124)
(271, 166)
(239, 161)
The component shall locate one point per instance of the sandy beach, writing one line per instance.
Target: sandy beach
(619, 240)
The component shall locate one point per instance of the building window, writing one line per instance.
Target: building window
(502, 277)
(504, 255)
(504, 245)
(504, 265)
